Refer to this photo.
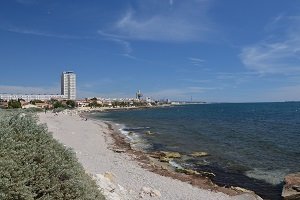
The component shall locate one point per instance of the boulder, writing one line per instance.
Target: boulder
(291, 188)
(199, 154)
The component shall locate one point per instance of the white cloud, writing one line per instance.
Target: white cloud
(280, 57)
(276, 55)
(41, 33)
(187, 21)
(179, 93)
(196, 61)
(9, 89)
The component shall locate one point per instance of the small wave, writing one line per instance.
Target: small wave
(136, 128)
(135, 140)
(176, 165)
(273, 177)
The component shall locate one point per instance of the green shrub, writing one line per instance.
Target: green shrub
(14, 104)
(35, 166)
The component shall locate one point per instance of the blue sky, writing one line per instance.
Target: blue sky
(213, 50)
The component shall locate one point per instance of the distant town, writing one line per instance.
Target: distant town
(68, 99)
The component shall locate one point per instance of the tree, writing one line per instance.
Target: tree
(33, 102)
(71, 103)
(14, 104)
(58, 104)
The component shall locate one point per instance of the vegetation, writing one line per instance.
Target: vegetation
(94, 104)
(14, 104)
(35, 166)
(58, 104)
(33, 102)
(71, 103)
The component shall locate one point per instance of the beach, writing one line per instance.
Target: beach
(119, 175)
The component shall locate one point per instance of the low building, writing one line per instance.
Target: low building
(30, 97)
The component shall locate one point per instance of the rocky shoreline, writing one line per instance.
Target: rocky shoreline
(158, 162)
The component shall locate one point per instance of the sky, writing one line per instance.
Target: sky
(210, 50)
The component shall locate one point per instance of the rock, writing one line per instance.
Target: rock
(130, 133)
(199, 154)
(109, 189)
(155, 193)
(119, 150)
(110, 176)
(187, 171)
(165, 159)
(171, 154)
(149, 191)
(193, 172)
(208, 174)
(241, 189)
(146, 190)
(291, 187)
(155, 155)
(149, 133)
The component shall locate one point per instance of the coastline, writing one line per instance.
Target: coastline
(130, 171)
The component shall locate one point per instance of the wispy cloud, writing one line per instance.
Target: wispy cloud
(196, 61)
(42, 33)
(179, 93)
(187, 21)
(277, 54)
(11, 89)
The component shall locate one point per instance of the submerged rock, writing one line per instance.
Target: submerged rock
(130, 133)
(187, 171)
(199, 154)
(170, 154)
(149, 133)
(193, 172)
(291, 189)
(165, 159)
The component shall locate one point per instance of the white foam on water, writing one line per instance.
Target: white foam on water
(273, 177)
(134, 139)
(174, 164)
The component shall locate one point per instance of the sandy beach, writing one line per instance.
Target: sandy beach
(119, 175)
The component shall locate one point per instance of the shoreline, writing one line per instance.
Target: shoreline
(225, 178)
(163, 168)
(95, 141)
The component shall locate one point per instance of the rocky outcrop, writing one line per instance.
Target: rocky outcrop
(199, 154)
(170, 154)
(193, 172)
(291, 189)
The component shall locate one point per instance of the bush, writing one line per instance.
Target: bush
(71, 103)
(14, 104)
(58, 104)
(35, 166)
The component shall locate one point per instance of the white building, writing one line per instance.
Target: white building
(30, 97)
(68, 85)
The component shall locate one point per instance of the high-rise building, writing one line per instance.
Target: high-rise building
(68, 85)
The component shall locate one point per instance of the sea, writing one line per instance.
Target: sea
(250, 145)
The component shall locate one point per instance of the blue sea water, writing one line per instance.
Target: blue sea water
(251, 145)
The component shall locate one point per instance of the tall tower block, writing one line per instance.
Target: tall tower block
(68, 85)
